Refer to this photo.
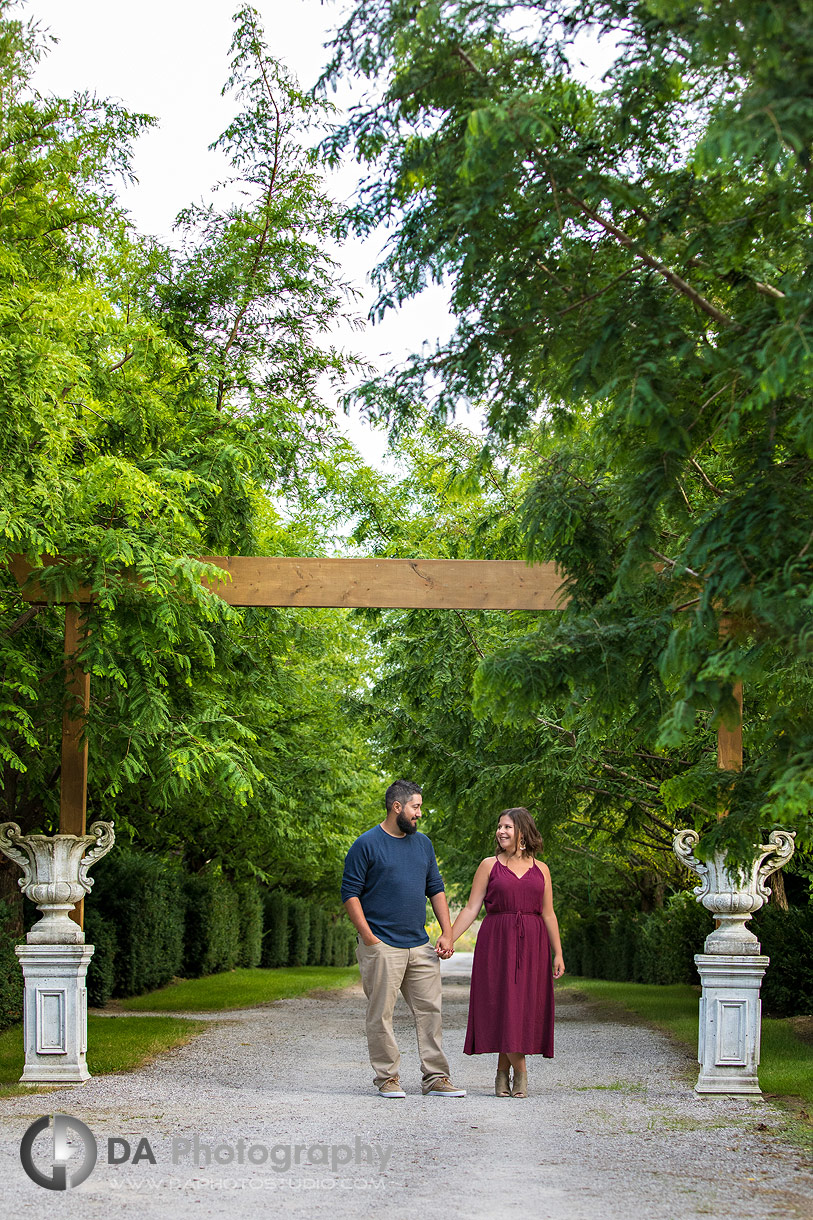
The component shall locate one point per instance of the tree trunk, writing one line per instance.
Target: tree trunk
(778, 895)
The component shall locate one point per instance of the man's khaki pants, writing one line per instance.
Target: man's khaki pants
(414, 972)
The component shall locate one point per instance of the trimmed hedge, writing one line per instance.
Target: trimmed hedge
(299, 931)
(344, 943)
(101, 977)
(320, 938)
(630, 947)
(250, 919)
(142, 896)
(627, 946)
(151, 921)
(316, 941)
(212, 934)
(275, 929)
(11, 975)
(787, 938)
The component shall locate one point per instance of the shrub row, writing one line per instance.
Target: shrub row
(11, 976)
(627, 946)
(630, 947)
(151, 921)
(787, 939)
(297, 933)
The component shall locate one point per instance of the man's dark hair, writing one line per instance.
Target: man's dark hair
(400, 791)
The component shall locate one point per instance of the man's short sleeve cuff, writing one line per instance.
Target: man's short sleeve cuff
(431, 890)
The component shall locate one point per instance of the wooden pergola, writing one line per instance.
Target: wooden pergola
(430, 584)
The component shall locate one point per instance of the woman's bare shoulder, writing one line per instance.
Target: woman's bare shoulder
(483, 872)
(543, 868)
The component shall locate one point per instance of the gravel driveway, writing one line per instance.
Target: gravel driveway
(280, 1100)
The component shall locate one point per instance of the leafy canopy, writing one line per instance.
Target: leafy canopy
(629, 265)
(157, 402)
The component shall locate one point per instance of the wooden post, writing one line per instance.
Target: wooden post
(729, 741)
(74, 772)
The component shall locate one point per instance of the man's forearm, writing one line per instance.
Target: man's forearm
(358, 920)
(441, 908)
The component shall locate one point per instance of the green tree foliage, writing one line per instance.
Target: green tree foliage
(252, 292)
(595, 795)
(157, 405)
(628, 262)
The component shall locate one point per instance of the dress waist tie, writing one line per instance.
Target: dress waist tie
(520, 926)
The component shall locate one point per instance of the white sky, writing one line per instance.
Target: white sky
(169, 58)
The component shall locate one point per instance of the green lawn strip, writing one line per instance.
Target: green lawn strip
(115, 1045)
(786, 1067)
(241, 989)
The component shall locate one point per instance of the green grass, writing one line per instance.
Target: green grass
(786, 1067)
(116, 1044)
(241, 989)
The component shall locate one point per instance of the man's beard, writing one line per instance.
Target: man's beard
(406, 824)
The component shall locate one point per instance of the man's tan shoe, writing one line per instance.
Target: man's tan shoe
(391, 1088)
(443, 1087)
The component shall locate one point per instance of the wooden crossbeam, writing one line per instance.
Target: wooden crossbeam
(432, 584)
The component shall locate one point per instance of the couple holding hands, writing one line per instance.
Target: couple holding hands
(389, 873)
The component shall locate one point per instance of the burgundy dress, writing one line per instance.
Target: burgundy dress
(511, 1001)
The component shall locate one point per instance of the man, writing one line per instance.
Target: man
(388, 874)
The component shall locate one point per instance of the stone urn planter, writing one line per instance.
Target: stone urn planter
(55, 876)
(734, 893)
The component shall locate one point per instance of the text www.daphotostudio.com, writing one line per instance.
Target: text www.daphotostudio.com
(143, 1184)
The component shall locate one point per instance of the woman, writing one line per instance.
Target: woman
(511, 1003)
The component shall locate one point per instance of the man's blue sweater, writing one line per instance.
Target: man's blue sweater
(392, 878)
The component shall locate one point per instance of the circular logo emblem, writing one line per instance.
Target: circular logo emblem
(63, 1152)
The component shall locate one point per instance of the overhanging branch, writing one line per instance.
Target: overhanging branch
(677, 281)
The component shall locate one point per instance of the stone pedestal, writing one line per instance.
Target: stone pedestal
(730, 1020)
(732, 967)
(55, 1014)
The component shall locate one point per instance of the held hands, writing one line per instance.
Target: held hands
(445, 946)
(558, 965)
